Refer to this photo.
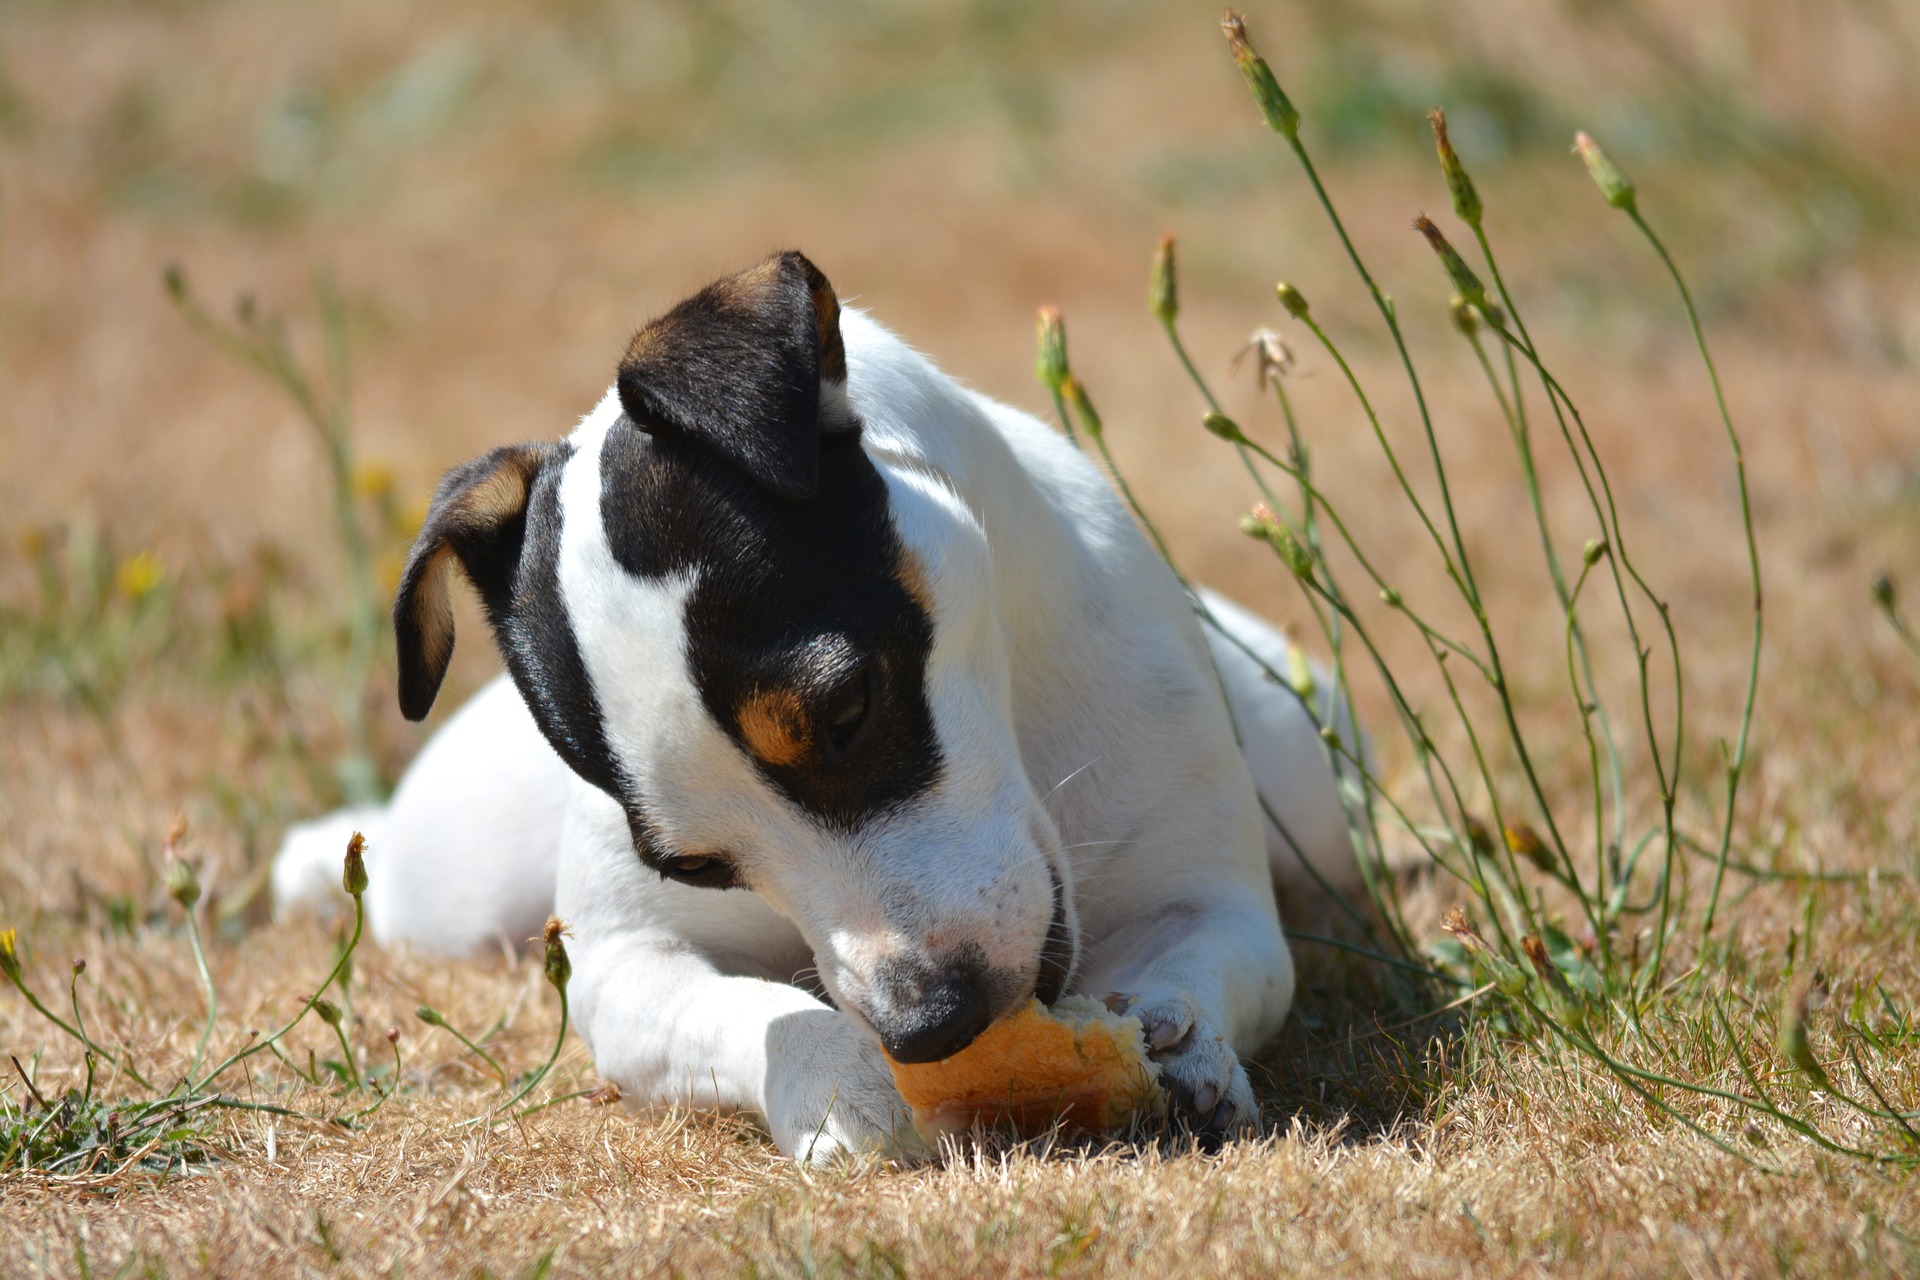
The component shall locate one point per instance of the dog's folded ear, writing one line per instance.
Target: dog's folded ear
(752, 366)
(478, 517)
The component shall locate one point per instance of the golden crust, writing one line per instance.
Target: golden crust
(1075, 1063)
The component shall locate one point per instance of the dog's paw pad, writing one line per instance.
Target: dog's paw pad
(1207, 1090)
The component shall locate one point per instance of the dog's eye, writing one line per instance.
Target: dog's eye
(849, 711)
(702, 871)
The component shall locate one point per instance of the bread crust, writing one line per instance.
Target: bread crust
(1076, 1064)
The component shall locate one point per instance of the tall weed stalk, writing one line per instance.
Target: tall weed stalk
(322, 397)
(1582, 935)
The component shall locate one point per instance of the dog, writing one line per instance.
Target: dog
(845, 710)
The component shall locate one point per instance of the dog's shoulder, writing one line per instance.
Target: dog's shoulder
(914, 413)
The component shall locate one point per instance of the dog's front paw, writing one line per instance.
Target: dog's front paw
(830, 1092)
(1207, 1089)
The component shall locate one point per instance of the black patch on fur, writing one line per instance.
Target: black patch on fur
(536, 638)
(805, 596)
(723, 464)
(1056, 953)
(499, 517)
(737, 368)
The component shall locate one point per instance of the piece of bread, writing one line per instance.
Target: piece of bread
(1075, 1064)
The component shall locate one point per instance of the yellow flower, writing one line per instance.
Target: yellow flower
(373, 481)
(9, 958)
(138, 575)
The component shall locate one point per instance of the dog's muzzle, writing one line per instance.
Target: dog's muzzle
(935, 1012)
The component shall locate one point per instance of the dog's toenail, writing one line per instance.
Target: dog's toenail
(1116, 1003)
(1205, 1096)
(1164, 1033)
(1222, 1116)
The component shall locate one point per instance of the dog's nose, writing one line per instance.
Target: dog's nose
(944, 1012)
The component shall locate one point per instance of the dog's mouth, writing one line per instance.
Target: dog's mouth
(1056, 953)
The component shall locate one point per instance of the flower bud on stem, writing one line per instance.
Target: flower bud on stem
(9, 955)
(1219, 424)
(1525, 841)
(353, 876)
(1614, 185)
(329, 1013)
(1882, 590)
(182, 885)
(1275, 107)
(558, 968)
(1264, 523)
(1465, 283)
(1466, 200)
(1076, 395)
(1050, 364)
(1163, 290)
(1292, 299)
(434, 1018)
(1794, 1045)
(559, 971)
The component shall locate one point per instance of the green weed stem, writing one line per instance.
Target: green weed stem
(247, 1051)
(558, 1041)
(1736, 767)
(206, 986)
(20, 984)
(437, 1019)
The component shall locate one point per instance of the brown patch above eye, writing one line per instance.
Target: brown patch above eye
(775, 726)
(911, 574)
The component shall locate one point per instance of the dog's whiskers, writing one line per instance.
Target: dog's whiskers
(1070, 777)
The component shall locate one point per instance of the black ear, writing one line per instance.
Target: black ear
(478, 517)
(751, 366)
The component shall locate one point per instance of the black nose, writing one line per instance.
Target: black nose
(938, 1016)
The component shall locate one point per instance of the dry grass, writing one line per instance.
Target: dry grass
(496, 251)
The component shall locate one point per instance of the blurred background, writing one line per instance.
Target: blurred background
(500, 191)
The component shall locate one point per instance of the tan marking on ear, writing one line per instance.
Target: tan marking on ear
(497, 499)
(641, 343)
(826, 319)
(433, 610)
(774, 724)
(743, 288)
(737, 292)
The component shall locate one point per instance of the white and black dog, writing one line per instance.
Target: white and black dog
(792, 613)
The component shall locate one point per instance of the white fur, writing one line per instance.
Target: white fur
(1082, 731)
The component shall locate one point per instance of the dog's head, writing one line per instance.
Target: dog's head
(784, 663)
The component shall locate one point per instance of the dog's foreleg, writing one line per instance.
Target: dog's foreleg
(1208, 981)
(677, 991)
(668, 1027)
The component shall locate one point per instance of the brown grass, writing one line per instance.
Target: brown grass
(496, 258)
